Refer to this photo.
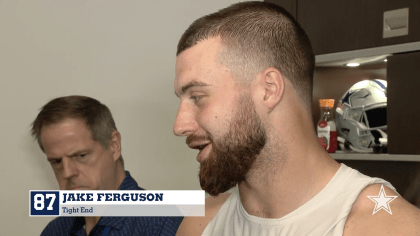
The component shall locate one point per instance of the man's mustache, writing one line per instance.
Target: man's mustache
(198, 138)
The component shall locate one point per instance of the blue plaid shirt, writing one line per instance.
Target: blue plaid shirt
(116, 226)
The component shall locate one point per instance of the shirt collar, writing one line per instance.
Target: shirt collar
(114, 222)
(129, 183)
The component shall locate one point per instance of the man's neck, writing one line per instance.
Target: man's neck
(286, 181)
(120, 177)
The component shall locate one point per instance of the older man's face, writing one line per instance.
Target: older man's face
(79, 162)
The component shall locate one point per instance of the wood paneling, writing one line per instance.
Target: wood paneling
(342, 25)
(403, 74)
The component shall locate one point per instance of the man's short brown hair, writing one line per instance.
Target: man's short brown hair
(97, 117)
(258, 35)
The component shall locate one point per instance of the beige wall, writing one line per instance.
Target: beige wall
(119, 52)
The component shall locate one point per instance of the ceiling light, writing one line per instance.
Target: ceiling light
(353, 64)
(385, 60)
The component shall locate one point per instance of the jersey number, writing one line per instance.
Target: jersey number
(39, 201)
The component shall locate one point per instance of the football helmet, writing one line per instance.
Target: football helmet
(361, 117)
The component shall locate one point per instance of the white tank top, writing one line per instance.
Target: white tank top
(324, 214)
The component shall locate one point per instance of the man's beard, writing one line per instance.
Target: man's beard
(234, 153)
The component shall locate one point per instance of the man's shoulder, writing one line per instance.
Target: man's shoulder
(59, 226)
(404, 220)
(196, 225)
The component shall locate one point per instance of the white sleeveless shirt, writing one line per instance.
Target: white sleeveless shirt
(324, 214)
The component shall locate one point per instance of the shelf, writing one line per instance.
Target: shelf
(374, 157)
(369, 52)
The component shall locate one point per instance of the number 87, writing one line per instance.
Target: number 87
(39, 201)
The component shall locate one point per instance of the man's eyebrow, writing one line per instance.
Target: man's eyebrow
(77, 153)
(191, 84)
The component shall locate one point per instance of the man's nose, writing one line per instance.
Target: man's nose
(69, 167)
(185, 122)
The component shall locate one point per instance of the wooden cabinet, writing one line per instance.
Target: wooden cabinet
(403, 75)
(402, 71)
(342, 25)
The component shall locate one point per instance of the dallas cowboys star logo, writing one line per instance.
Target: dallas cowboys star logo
(382, 201)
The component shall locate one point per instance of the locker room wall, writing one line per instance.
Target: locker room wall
(119, 52)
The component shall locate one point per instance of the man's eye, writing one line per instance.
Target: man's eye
(82, 155)
(54, 162)
(196, 98)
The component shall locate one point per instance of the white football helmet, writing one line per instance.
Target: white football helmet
(361, 117)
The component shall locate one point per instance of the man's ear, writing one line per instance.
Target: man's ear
(115, 144)
(271, 87)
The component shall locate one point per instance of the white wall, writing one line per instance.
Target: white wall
(119, 52)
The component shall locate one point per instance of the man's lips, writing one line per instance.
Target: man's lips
(198, 145)
(204, 152)
(202, 143)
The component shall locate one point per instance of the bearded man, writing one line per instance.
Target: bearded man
(244, 78)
